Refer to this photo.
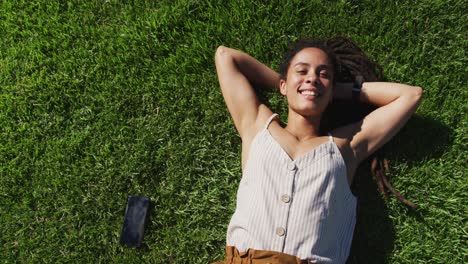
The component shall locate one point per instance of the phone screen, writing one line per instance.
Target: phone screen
(134, 221)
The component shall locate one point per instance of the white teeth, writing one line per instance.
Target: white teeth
(309, 93)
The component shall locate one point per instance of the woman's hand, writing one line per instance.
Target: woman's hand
(343, 91)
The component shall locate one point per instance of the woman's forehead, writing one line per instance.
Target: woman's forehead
(310, 56)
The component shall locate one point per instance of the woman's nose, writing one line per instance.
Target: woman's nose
(311, 78)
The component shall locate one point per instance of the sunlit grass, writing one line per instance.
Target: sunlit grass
(100, 100)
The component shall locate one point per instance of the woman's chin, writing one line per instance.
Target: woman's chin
(309, 111)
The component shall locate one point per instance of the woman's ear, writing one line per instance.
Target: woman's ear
(282, 87)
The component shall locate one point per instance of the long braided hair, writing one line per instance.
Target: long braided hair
(351, 62)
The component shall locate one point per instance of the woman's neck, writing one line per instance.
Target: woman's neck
(303, 128)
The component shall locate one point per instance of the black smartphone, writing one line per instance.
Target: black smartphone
(134, 222)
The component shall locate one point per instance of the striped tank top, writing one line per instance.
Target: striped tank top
(301, 207)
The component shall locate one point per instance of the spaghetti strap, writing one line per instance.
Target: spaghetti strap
(269, 120)
(330, 137)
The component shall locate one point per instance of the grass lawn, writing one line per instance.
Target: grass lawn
(101, 100)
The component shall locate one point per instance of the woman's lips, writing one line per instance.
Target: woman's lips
(309, 93)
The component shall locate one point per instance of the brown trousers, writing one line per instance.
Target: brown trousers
(252, 256)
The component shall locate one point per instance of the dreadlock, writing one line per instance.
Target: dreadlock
(351, 61)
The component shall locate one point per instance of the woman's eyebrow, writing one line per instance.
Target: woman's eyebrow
(320, 67)
(302, 64)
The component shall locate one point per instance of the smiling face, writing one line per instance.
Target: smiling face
(308, 83)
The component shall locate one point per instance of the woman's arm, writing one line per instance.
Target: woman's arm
(237, 73)
(396, 103)
(256, 72)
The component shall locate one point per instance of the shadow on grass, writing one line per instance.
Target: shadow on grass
(421, 139)
(374, 234)
(373, 242)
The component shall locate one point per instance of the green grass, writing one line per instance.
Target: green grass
(100, 100)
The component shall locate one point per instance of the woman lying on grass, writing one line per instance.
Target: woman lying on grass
(294, 203)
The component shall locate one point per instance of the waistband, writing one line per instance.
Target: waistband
(253, 256)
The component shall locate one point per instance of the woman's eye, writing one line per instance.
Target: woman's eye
(324, 74)
(302, 72)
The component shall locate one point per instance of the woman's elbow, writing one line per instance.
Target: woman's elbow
(221, 52)
(417, 92)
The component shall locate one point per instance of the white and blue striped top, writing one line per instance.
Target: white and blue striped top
(301, 207)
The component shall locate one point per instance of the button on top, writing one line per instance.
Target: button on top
(280, 231)
(285, 198)
(291, 166)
